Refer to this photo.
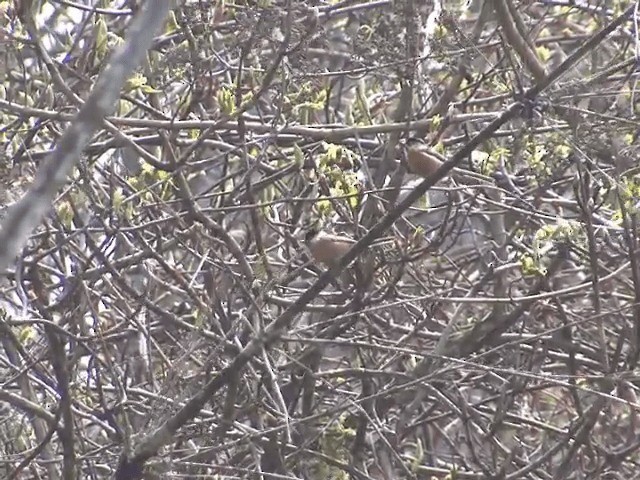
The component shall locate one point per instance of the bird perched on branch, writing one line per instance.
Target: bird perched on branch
(327, 248)
(421, 160)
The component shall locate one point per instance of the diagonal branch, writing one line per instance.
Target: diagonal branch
(28, 212)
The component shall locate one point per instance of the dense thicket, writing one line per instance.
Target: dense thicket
(166, 319)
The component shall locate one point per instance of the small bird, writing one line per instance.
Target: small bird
(326, 248)
(420, 158)
(329, 249)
